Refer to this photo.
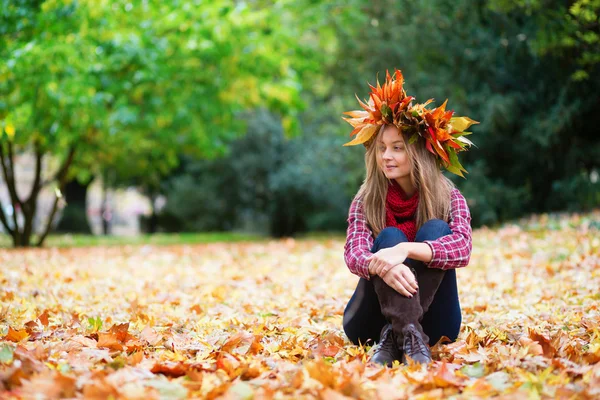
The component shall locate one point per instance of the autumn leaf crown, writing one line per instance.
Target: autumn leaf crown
(444, 134)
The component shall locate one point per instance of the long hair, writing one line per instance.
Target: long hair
(433, 187)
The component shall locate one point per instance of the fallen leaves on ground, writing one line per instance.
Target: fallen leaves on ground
(264, 320)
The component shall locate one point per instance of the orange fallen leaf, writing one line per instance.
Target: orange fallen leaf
(196, 308)
(16, 336)
(322, 372)
(547, 347)
(228, 363)
(444, 377)
(170, 369)
(135, 358)
(134, 345)
(326, 350)
(109, 340)
(481, 389)
(243, 343)
(218, 391)
(533, 348)
(30, 327)
(298, 379)
(99, 389)
(120, 331)
(251, 372)
(44, 318)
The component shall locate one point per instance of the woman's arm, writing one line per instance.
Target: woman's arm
(417, 251)
(453, 250)
(359, 241)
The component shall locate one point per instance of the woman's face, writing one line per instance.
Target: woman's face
(392, 157)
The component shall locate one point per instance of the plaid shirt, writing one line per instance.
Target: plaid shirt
(450, 251)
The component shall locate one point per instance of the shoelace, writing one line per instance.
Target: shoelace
(416, 345)
(386, 342)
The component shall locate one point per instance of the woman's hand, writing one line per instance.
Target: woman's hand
(402, 280)
(386, 259)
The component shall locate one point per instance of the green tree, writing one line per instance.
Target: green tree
(106, 84)
(568, 28)
(538, 123)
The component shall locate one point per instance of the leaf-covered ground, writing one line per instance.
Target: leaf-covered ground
(263, 320)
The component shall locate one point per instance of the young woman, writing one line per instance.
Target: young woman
(408, 226)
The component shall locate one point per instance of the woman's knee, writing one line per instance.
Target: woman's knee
(389, 237)
(433, 229)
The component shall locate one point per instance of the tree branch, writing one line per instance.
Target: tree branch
(61, 177)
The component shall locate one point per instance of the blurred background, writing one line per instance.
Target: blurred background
(136, 117)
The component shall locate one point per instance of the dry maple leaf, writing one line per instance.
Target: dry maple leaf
(229, 364)
(242, 343)
(170, 369)
(321, 371)
(16, 335)
(442, 376)
(43, 317)
(532, 347)
(547, 348)
(109, 341)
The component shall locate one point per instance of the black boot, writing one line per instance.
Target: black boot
(387, 350)
(414, 346)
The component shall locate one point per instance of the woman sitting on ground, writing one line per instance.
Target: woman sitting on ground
(408, 226)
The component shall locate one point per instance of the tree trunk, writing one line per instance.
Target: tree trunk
(105, 213)
(153, 222)
(74, 217)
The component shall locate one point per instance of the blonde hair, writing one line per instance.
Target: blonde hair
(433, 187)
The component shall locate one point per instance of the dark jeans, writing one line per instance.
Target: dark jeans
(362, 317)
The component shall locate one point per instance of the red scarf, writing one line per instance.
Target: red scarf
(400, 212)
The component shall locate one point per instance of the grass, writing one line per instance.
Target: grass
(159, 239)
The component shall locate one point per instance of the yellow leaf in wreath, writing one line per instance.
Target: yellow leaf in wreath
(364, 135)
(459, 124)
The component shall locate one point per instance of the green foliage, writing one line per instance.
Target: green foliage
(576, 193)
(537, 129)
(266, 184)
(568, 29)
(537, 124)
(127, 86)
(134, 88)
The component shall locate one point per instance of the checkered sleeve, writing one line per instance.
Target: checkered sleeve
(454, 250)
(359, 241)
